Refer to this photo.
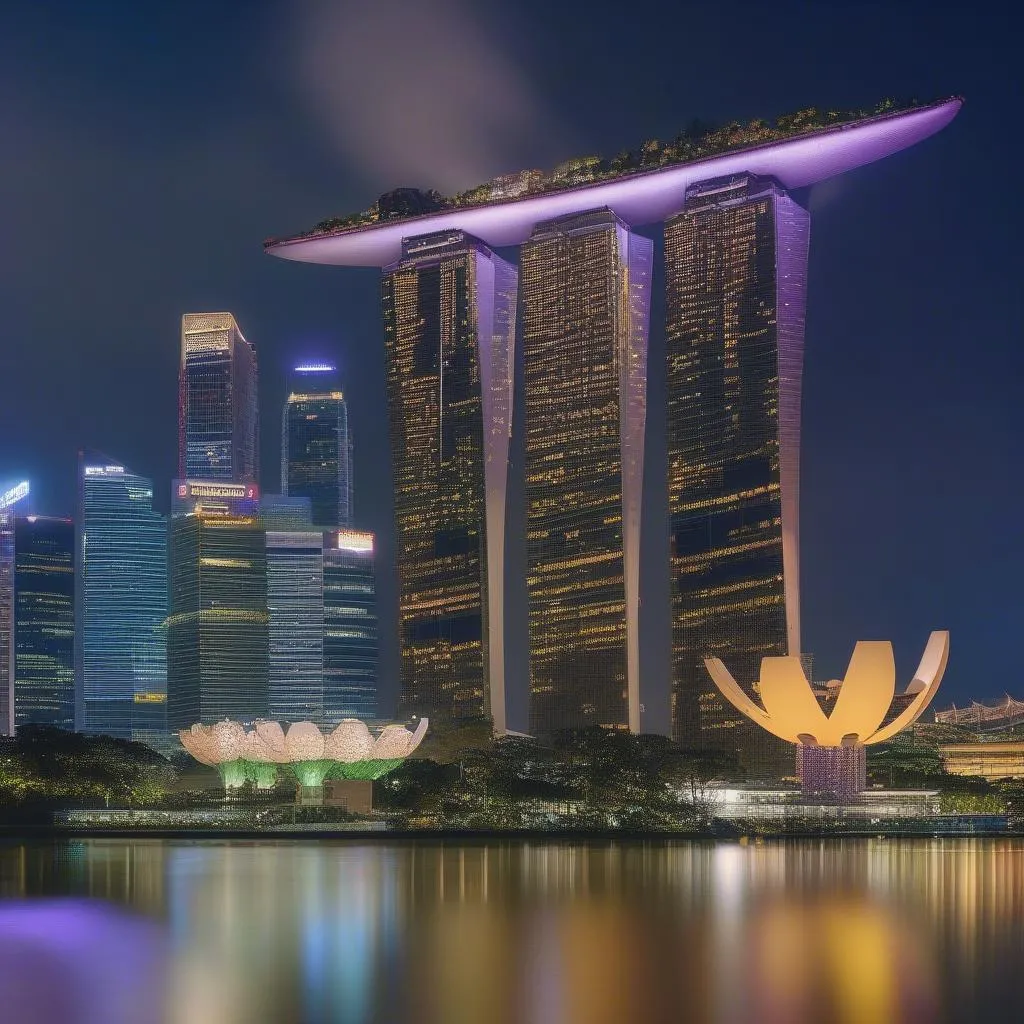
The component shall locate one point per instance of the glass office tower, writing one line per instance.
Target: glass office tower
(43, 635)
(586, 291)
(13, 500)
(449, 323)
(295, 609)
(217, 642)
(218, 422)
(120, 603)
(350, 627)
(316, 445)
(735, 267)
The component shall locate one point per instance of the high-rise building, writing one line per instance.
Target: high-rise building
(217, 642)
(13, 500)
(449, 322)
(280, 512)
(350, 645)
(316, 445)
(295, 609)
(735, 261)
(218, 422)
(735, 268)
(39, 602)
(120, 603)
(586, 292)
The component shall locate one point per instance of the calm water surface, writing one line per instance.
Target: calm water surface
(503, 933)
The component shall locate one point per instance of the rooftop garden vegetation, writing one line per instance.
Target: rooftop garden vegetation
(696, 142)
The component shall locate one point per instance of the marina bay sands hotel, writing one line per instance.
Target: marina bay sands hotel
(578, 304)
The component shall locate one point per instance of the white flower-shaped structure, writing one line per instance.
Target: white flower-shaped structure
(792, 712)
(350, 751)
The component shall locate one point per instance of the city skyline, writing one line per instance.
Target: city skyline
(112, 371)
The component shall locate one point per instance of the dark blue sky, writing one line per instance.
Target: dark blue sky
(147, 149)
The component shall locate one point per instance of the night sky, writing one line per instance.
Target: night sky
(149, 148)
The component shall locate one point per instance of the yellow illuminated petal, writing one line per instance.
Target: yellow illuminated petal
(925, 684)
(733, 692)
(790, 702)
(866, 694)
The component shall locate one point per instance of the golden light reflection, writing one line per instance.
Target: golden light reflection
(512, 933)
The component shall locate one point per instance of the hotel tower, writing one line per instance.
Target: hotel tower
(735, 264)
(586, 290)
(735, 273)
(449, 323)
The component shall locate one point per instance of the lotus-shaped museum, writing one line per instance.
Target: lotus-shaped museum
(830, 747)
(350, 751)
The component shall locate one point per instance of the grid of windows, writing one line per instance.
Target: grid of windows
(217, 636)
(295, 607)
(586, 289)
(218, 416)
(735, 262)
(44, 622)
(350, 627)
(121, 602)
(449, 319)
(8, 517)
(316, 450)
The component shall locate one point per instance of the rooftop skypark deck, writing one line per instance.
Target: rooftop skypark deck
(644, 187)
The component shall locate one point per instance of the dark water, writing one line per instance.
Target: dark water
(219, 932)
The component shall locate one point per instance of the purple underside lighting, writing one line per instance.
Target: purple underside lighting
(644, 198)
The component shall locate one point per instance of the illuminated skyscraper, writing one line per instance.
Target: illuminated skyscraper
(316, 446)
(736, 265)
(449, 322)
(120, 603)
(218, 423)
(12, 501)
(586, 291)
(350, 627)
(41, 688)
(217, 644)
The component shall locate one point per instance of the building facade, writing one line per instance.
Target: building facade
(217, 626)
(120, 603)
(39, 552)
(585, 300)
(218, 420)
(350, 637)
(13, 500)
(735, 270)
(449, 322)
(295, 610)
(316, 445)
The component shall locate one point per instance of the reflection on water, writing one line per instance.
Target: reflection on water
(560, 934)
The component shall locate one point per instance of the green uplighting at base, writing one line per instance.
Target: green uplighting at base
(262, 773)
(232, 774)
(311, 773)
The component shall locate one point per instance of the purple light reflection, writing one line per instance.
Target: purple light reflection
(644, 198)
(77, 962)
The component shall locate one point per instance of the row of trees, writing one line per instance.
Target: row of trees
(589, 779)
(42, 765)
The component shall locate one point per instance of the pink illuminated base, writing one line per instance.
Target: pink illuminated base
(643, 198)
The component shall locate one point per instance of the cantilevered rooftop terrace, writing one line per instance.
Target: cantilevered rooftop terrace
(639, 197)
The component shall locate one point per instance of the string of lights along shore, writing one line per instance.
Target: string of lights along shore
(735, 267)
